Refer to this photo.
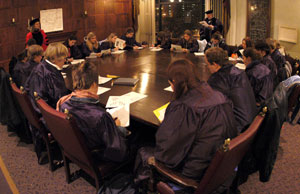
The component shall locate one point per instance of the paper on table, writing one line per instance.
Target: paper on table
(199, 54)
(116, 101)
(75, 61)
(132, 97)
(169, 89)
(160, 112)
(156, 49)
(241, 66)
(118, 52)
(122, 113)
(103, 80)
(102, 90)
(140, 48)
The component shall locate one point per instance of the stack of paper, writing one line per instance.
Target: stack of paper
(199, 54)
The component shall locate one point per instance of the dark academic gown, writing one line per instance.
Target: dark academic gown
(205, 33)
(191, 45)
(86, 51)
(235, 85)
(280, 62)
(165, 45)
(268, 61)
(48, 82)
(98, 127)
(221, 44)
(74, 51)
(261, 80)
(107, 45)
(22, 71)
(130, 42)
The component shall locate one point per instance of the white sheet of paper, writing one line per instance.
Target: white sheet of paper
(156, 49)
(140, 48)
(240, 66)
(242, 51)
(169, 89)
(117, 52)
(103, 80)
(231, 59)
(132, 97)
(116, 101)
(102, 90)
(122, 113)
(199, 54)
(162, 114)
(75, 61)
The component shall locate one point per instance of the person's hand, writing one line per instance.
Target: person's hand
(185, 50)
(158, 46)
(70, 59)
(135, 47)
(211, 27)
(116, 49)
(117, 121)
(171, 49)
(98, 54)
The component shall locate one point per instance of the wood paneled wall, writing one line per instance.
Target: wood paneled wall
(103, 17)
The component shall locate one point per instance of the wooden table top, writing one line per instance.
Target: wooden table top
(150, 68)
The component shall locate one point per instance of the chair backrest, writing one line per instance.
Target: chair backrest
(26, 105)
(65, 131)
(228, 157)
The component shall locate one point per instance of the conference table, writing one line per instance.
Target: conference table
(150, 68)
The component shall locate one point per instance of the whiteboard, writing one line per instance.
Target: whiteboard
(52, 20)
(287, 34)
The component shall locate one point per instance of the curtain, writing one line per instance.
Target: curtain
(226, 16)
(135, 13)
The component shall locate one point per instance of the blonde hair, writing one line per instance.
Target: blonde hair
(111, 36)
(89, 44)
(56, 51)
(33, 51)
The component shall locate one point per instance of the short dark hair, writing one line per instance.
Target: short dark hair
(188, 32)
(84, 75)
(252, 53)
(72, 37)
(31, 41)
(217, 55)
(248, 41)
(129, 30)
(217, 36)
(263, 46)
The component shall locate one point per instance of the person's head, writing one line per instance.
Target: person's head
(273, 44)
(112, 37)
(129, 32)
(182, 76)
(215, 58)
(247, 43)
(161, 36)
(31, 41)
(22, 56)
(187, 35)
(216, 38)
(35, 25)
(91, 37)
(209, 14)
(72, 40)
(56, 53)
(263, 48)
(250, 54)
(85, 77)
(35, 53)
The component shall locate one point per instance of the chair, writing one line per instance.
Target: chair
(293, 104)
(34, 120)
(72, 144)
(221, 167)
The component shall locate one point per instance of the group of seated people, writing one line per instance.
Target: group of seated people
(197, 121)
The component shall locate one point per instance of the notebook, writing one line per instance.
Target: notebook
(126, 81)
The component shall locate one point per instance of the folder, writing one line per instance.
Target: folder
(126, 81)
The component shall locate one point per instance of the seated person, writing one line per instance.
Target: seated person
(246, 43)
(196, 123)
(234, 84)
(264, 50)
(188, 43)
(259, 75)
(31, 42)
(278, 58)
(99, 128)
(131, 43)
(48, 82)
(23, 69)
(217, 41)
(110, 43)
(17, 69)
(163, 40)
(74, 51)
(91, 45)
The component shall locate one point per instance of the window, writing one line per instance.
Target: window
(178, 15)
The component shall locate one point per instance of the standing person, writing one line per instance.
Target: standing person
(74, 51)
(188, 43)
(37, 34)
(196, 123)
(131, 43)
(260, 76)
(91, 45)
(209, 26)
(234, 84)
